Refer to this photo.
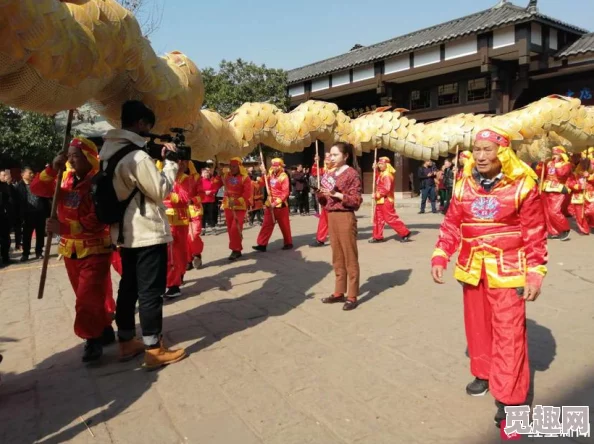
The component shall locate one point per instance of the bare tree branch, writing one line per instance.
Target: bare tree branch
(149, 13)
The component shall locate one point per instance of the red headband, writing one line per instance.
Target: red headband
(276, 163)
(383, 160)
(77, 143)
(492, 136)
(558, 150)
(235, 162)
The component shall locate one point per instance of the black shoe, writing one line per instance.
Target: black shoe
(564, 236)
(235, 255)
(261, 248)
(172, 292)
(39, 256)
(376, 241)
(500, 415)
(108, 336)
(93, 350)
(287, 247)
(189, 266)
(478, 387)
(405, 239)
(24, 258)
(318, 244)
(350, 305)
(421, 212)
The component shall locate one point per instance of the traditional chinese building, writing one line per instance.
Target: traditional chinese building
(490, 62)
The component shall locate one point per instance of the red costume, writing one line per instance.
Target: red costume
(322, 233)
(279, 195)
(384, 204)
(195, 243)
(555, 193)
(502, 238)
(238, 193)
(178, 215)
(85, 244)
(581, 184)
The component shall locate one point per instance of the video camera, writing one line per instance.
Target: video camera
(184, 152)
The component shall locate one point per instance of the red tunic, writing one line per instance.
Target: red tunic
(279, 189)
(238, 192)
(177, 202)
(384, 187)
(502, 231)
(556, 175)
(210, 187)
(81, 234)
(196, 197)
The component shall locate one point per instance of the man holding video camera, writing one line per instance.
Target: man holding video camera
(145, 232)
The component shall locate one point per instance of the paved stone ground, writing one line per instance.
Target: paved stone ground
(270, 364)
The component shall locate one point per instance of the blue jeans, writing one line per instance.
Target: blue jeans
(432, 195)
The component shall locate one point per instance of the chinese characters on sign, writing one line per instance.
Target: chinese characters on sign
(548, 421)
(584, 94)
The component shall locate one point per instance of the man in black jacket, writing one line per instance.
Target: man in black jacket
(34, 211)
(448, 178)
(6, 210)
(426, 175)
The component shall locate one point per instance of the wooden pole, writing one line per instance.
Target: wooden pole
(267, 186)
(542, 174)
(318, 170)
(54, 212)
(373, 187)
(455, 168)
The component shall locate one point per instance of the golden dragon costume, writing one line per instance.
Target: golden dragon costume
(57, 55)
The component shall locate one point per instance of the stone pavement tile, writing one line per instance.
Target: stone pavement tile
(217, 428)
(18, 415)
(309, 431)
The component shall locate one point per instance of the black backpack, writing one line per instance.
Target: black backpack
(108, 208)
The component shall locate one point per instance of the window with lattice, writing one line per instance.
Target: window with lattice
(448, 94)
(420, 99)
(479, 89)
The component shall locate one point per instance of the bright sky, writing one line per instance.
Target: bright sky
(288, 34)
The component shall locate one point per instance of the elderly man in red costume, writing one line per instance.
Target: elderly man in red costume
(581, 184)
(238, 194)
(85, 244)
(195, 243)
(322, 232)
(497, 218)
(555, 194)
(277, 208)
(178, 216)
(384, 204)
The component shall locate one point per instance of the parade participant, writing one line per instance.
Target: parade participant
(581, 184)
(178, 216)
(555, 194)
(385, 211)
(496, 216)
(210, 186)
(277, 204)
(257, 203)
(238, 192)
(195, 243)
(85, 243)
(463, 157)
(322, 232)
(341, 197)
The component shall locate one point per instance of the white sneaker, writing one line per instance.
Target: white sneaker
(197, 262)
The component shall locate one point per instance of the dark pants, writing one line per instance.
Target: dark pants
(210, 214)
(18, 232)
(144, 277)
(431, 194)
(256, 214)
(302, 201)
(4, 238)
(448, 198)
(33, 222)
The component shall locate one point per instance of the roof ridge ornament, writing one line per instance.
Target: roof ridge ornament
(500, 4)
(532, 6)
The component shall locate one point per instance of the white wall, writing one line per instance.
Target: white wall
(553, 39)
(321, 83)
(461, 48)
(296, 90)
(363, 73)
(427, 57)
(536, 34)
(397, 64)
(341, 78)
(504, 37)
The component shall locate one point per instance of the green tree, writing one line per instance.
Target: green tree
(27, 138)
(236, 83)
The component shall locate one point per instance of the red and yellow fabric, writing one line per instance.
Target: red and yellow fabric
(581, 184)
(257, 194)
(197, 193)
(279, 185)
(555, 198)
(322, 232)
(557, 173)
(384, 182)
(385, 212)
(238, 188)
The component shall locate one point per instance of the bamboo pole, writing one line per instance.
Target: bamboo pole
(267, 186)
(373, 187)
(54, 212)
(318, 170)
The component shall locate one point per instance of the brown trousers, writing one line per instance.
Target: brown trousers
(342, 229)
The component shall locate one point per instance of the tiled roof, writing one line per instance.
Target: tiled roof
(583, 45)
(495, 17)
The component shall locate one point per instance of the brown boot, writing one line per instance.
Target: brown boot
(130, 349)
(158, 357)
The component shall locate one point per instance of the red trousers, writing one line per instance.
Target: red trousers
(116, 262)
(386, 214)
(177, 255)
(553, 208)
(196, 245)
(235, 220)
(584, 216)
(91, 281)
(322, 233)
(281, 215)
(495, 321)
